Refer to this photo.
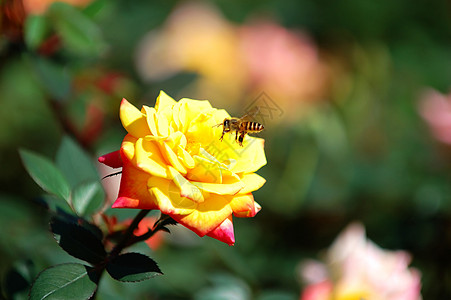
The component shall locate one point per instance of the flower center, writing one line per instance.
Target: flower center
(193, 147)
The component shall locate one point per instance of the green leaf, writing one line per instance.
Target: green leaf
(132, 267)
(75, 164)
(80, 34)
(95, 8)
(70, 218)
(35, 30)
(45, 174)
(56, 78)
(67, 281)
(78, 241)
(87, 197)
(14, 283)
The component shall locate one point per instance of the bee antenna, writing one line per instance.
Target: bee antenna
(217, 125)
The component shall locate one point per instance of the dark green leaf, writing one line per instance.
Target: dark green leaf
(75, 164)
(66, 281)
(80, 34)
(132, 267)
(45, 173)
(56, 78)
(78, 241)
(35, 30)
(87, 197)
(69, 218)
(14, 282)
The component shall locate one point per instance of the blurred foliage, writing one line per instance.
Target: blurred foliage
(361, 152)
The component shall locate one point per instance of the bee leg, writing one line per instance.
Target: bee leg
(222, 136)
(241, 138)
(236, 135)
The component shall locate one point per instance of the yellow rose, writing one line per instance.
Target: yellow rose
(172, 160)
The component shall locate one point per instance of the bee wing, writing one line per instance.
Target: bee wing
(250, 114)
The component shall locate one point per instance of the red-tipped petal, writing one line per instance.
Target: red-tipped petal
(133, 192)
(112, 159)
(224, 232)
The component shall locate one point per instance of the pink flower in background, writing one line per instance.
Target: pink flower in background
(280, 61)
(435, 108)
(356, 268)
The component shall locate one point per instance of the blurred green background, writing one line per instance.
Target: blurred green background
(352, 137)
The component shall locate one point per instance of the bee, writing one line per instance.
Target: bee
(241, 126)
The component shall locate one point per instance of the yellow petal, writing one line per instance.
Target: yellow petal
(244, 206)
(201, 130)
(204, 171)
(252, 182)
(190, 110)
(128, 146)
(220, 189)
(176, 139)
(150, 117)
(163, 101)
(168, 198)
(149, 159)
(208, 215)
(187, 189)
(187, 159)
(133, 120)
(176, 116)
(247, 159)
(172, 158)
(162, 125)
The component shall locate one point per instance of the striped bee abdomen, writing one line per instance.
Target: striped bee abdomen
(252, 126)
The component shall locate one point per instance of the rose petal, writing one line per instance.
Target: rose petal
(224, 232)
(133, 192)
(149, 158)
(247, 159)
(204, 170)
(252, 182)
(168, 197)
(172, 158)
(112, 159)
(190, 110)
(150, 117)
(163, 101)
(244, 206)
(133, 120)
(200, 129)
(187, 189)
(207, 216)
(186, 158)
(162, 124)
(220, 189)
(128, 147)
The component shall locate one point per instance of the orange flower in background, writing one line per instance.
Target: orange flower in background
(358, 269)
(113, 225)
(172, 160)
(196, 39)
